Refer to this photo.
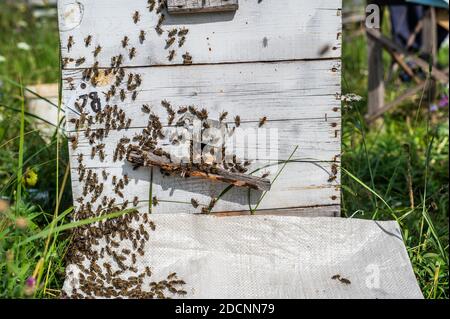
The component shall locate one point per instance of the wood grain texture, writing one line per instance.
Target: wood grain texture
(278, 90)
(273, 59)
(309, 187)
(201, 6)
(258, 31)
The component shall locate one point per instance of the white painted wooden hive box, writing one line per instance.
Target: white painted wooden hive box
(273, 60)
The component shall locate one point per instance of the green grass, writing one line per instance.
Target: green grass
(395, 170)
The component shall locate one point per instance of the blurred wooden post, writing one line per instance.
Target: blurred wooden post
(376, 73)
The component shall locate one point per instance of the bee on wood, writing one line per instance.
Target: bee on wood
(126, 179)
(74, 142)
(146, 108)
(264, 175)
(172, 33)
(247, 163)
(151, 5)
(119, 193)
(127, 125)
(194, 203)
(182, 110)
(102, 155)
(223, 116)
(181, 41)
(169, 42)
(122, 95)
(237, 120)
(114, 179)
(202, 114)
(332, 178)
(125, 42)
(345, 281)
(135, 201)
(70, 43)
(93, 152)
(159, 30)
(152, 225)
(132, 53)
(142, 36)
(155, 201)
(136, 17)
(161, 19)
(134, 95)
(183, 32)
(171, 55)
(97, 51)
(119, 63)
(262, 121)
(64, 62)
(137, 79)
(79, 61)
(105, 176)
(334, 169)
(87, 40)
(187, 58)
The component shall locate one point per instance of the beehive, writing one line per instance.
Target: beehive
(278, 60)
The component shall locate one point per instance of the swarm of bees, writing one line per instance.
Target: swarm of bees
(120, 276)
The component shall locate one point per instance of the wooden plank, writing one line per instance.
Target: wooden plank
(424, 65)
(320, 211)
(258, 31)
(376, 89)
(209, 172)
(279, 90)
(310, 187)
(409, 93)
(317, 141)
(201, 6)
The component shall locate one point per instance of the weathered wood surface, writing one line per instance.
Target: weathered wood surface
(148, 159)
(278, 90)
(287, 77)
(258, 31)
(201, 6)
(302, 184)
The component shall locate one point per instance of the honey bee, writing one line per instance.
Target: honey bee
(181, 41)
(87, 40)
(183, 32)
(237, 120)
(194, 203)
(171, 55)
(334, 169)
(74, 142)
(125, 42)
(262, 121)
(137, 79)
(97, 51)
(152, 225)
(114, 180)
(126, 179)
(136, 17)
(151, 5)
(79, 61)
(135, 201)
(105, 176)
(122, 95)
(102, 155)
(172, 33)
(70, 43)
(119, 193)
(145, 108)
(345, 281)
(161, 19)
(132, 53)
(169, 42)
(223, 116)
(142, 36)
(202, 114)
(332, 178)
(264, 175)
(64, 62)
(155, 201)
(93, 152)
(80, 158)
(159, 30)
(134, 95)
(187, 58)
